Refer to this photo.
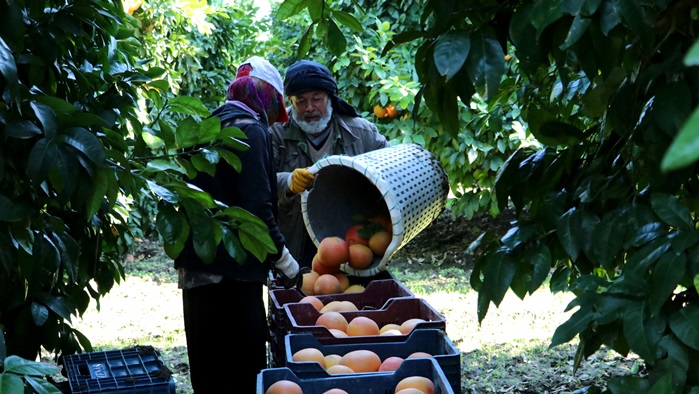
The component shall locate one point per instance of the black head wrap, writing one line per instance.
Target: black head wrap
(307, 75)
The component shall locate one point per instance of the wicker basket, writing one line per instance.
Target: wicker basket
(405, 182)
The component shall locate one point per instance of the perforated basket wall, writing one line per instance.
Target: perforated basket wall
(405, 182)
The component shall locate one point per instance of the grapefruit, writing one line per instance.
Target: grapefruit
(326, 284)
(333, 252)
(284, 387)
(379, 242)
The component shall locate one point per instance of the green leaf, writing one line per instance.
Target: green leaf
(85, 142)
(172, 225)
(683, 240)
(684, 149)
(304, 43)
(159, 165)
(204, 161)
(555, 133)
(337, 43)
(256, 240)
(41, 158)
(497, 275)
(569, 233)
(609, 309)
(154, 142)
(10, 383)
(608, 239)
(573, 326)
(96, 194)
(163, 192)
(242, 216)
(451, 51)
(642, 259)
(233, 245)
(46, 116)
(187, 133)
(231, 158)
(22, 366)
(685, 325)
(663, 385)
(483, 305)
(545, 13)
(692, 56)
(233, 133)
(42, 386)
(559, 279)
(542, 267)
(672, 106)
(22, 129)
(40, 314)
(204, 231)
(11, 211)
(290, 8)
(58, 105)
(348, 20)
(8, 69)
(634, 331)
(610, 16)
(635, 16)
(60, 305)
(671, 210)
(664, 278)
(209, 129)
(485, 63)
(577, 29)
(70, 253)
(188, 106)
(402, 38)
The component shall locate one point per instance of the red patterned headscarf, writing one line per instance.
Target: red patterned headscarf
(257, 94)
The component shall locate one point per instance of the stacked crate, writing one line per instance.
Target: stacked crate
(292, 327)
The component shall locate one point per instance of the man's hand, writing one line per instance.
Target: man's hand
(301, 179)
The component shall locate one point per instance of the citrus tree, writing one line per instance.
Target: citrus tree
(606, 200)
(381, 81)
(90, 123)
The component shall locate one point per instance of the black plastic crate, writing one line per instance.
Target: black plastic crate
(302, 318)
(365, 383)
(375, 296)
(136, 370)
(432, 341)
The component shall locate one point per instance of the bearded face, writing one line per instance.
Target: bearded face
(312, 111)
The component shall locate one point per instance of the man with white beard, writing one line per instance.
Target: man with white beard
(321, 124)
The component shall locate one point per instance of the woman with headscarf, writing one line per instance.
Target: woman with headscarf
(321, 124)
(223, 303)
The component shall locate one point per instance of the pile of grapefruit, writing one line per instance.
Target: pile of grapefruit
(361, 244)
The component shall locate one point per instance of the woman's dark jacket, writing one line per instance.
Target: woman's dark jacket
(253, 189)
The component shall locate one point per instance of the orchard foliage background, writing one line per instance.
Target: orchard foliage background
(579, 115)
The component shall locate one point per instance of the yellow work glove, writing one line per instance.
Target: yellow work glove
(301, 179)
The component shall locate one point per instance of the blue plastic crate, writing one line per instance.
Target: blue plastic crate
(365, 383)
(136, 370)
(432, 341)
